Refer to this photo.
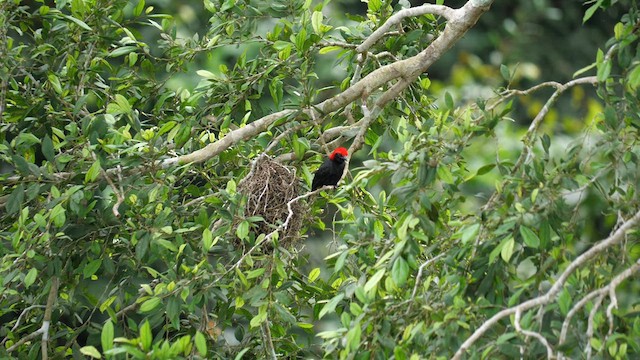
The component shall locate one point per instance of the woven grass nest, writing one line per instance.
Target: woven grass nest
(268, 188)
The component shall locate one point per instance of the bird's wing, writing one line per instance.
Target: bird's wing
(320, 176)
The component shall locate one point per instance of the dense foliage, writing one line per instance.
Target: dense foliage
(467, 197)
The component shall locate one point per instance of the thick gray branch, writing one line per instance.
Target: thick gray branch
(460, 20)
(228, 140)
(441, 10)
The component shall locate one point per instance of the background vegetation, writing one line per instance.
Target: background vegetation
(490, 209)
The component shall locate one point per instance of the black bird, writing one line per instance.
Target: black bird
(330, 172)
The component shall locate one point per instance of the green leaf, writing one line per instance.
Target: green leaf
(93, 172)
(316, 22)
(14, 202)
(340, 262)
(546, 143)
(507, 249)
(448, 100)
(353, 337)
(149, 304)
(146, 338)
(445, 175)
(634, 78)
(78, 22)
(24, 166)
(469, 232)
(400, 271)
(260, 318)
(123, 50)
(55, 83)
(207, 240)
(227, 5)
(255, 273)
(201, 343)
(330, 307)
(328, 49)
(505, 337)
(30, 278)
(208, 75)
(123, 103)
(91, 268)
(27, 139)
(604, 70)
(239, 302)
(526, 269)
(530, 238)
(564, 301)
(611, 117)
(167, 126)
(504, 71)
(241, 353)
(314, 274)
(90, 351)
(485, 169)
(139, 8)
(375, 5)
(167, 244)
(591, 10)
(57, 215)
(183, 135)
(300, 147)
(243, 230)
(583, 70)
(106, 336)
(355, 308)
(275, 89)
(375, 279)
(47, 149)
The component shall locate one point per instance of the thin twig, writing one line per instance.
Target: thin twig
(592, 315)
(609, 288)
(552, 293)
(284, 134)
(320, 138)
(116, 190)
(535, 124)
(420, 270)
(126, 309)
(268, 341)
(19, 318)
(529, 333)
(419, 279)
(43, 331)
(270, 235)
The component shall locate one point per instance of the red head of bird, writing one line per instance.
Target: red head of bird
(339, 151)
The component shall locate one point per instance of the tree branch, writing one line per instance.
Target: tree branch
(535, 124)
(460, 20)
(46, 322)
(268, 342)
(232, 138)
(609, 288)
(529, 333)
(419, 278)
(551, 294)
(440, 10)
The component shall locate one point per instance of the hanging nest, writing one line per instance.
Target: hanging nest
(268, 188)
